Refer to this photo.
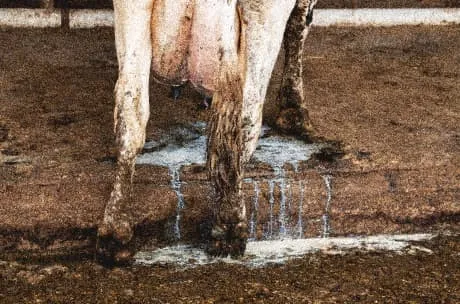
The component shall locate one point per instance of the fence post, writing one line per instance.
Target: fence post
(65, 14)
(47, 4)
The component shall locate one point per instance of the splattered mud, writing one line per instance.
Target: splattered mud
(388, 96)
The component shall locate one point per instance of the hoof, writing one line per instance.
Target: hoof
(228, 240)
(114, 245)
(292, 121)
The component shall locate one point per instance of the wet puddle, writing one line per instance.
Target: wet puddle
(282, 235)
(261, 253)
(187, 145)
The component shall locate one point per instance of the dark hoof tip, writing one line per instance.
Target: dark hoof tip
(228, 240)
(111, 252)
(291, 121)
(235, 249)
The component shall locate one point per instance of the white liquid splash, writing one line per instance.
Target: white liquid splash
(259, 254)
(300, 228)
(254, 215)
(176, 184)
(326, 222)
(187, 145)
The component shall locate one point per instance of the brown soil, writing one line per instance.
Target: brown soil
(388, 95)
(356, 277)
(392, 102)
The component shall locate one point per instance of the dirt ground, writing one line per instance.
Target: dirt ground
(390, 96)
(356, 277)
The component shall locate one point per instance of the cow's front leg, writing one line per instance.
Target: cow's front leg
(294, 118)
(131, 114)
(132, 37)
(237, 118)
(225, 166)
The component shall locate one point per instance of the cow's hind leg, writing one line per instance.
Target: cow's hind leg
(132, 36)
(294, 118)
(237, 118)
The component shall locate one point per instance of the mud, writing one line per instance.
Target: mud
(355, 277)
(388, 99)
(391, 107)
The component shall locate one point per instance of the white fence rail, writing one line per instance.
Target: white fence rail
(88, 18)
(30, 17)
(386, 17)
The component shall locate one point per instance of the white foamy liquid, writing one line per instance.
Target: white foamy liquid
(261, 253)
(176, 184)
(278, 151)
(275, 151)
(255, 207)
(300, 228)
(185, 146)
(175, 155)
(326, 223)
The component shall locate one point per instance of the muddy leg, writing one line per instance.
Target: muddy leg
(132, 36)
(225, 168)
(294, 118)
(236, 122)
(225, 149)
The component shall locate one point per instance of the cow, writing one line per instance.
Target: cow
(227, 49)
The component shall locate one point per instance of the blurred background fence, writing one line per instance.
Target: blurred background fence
(97, 4)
